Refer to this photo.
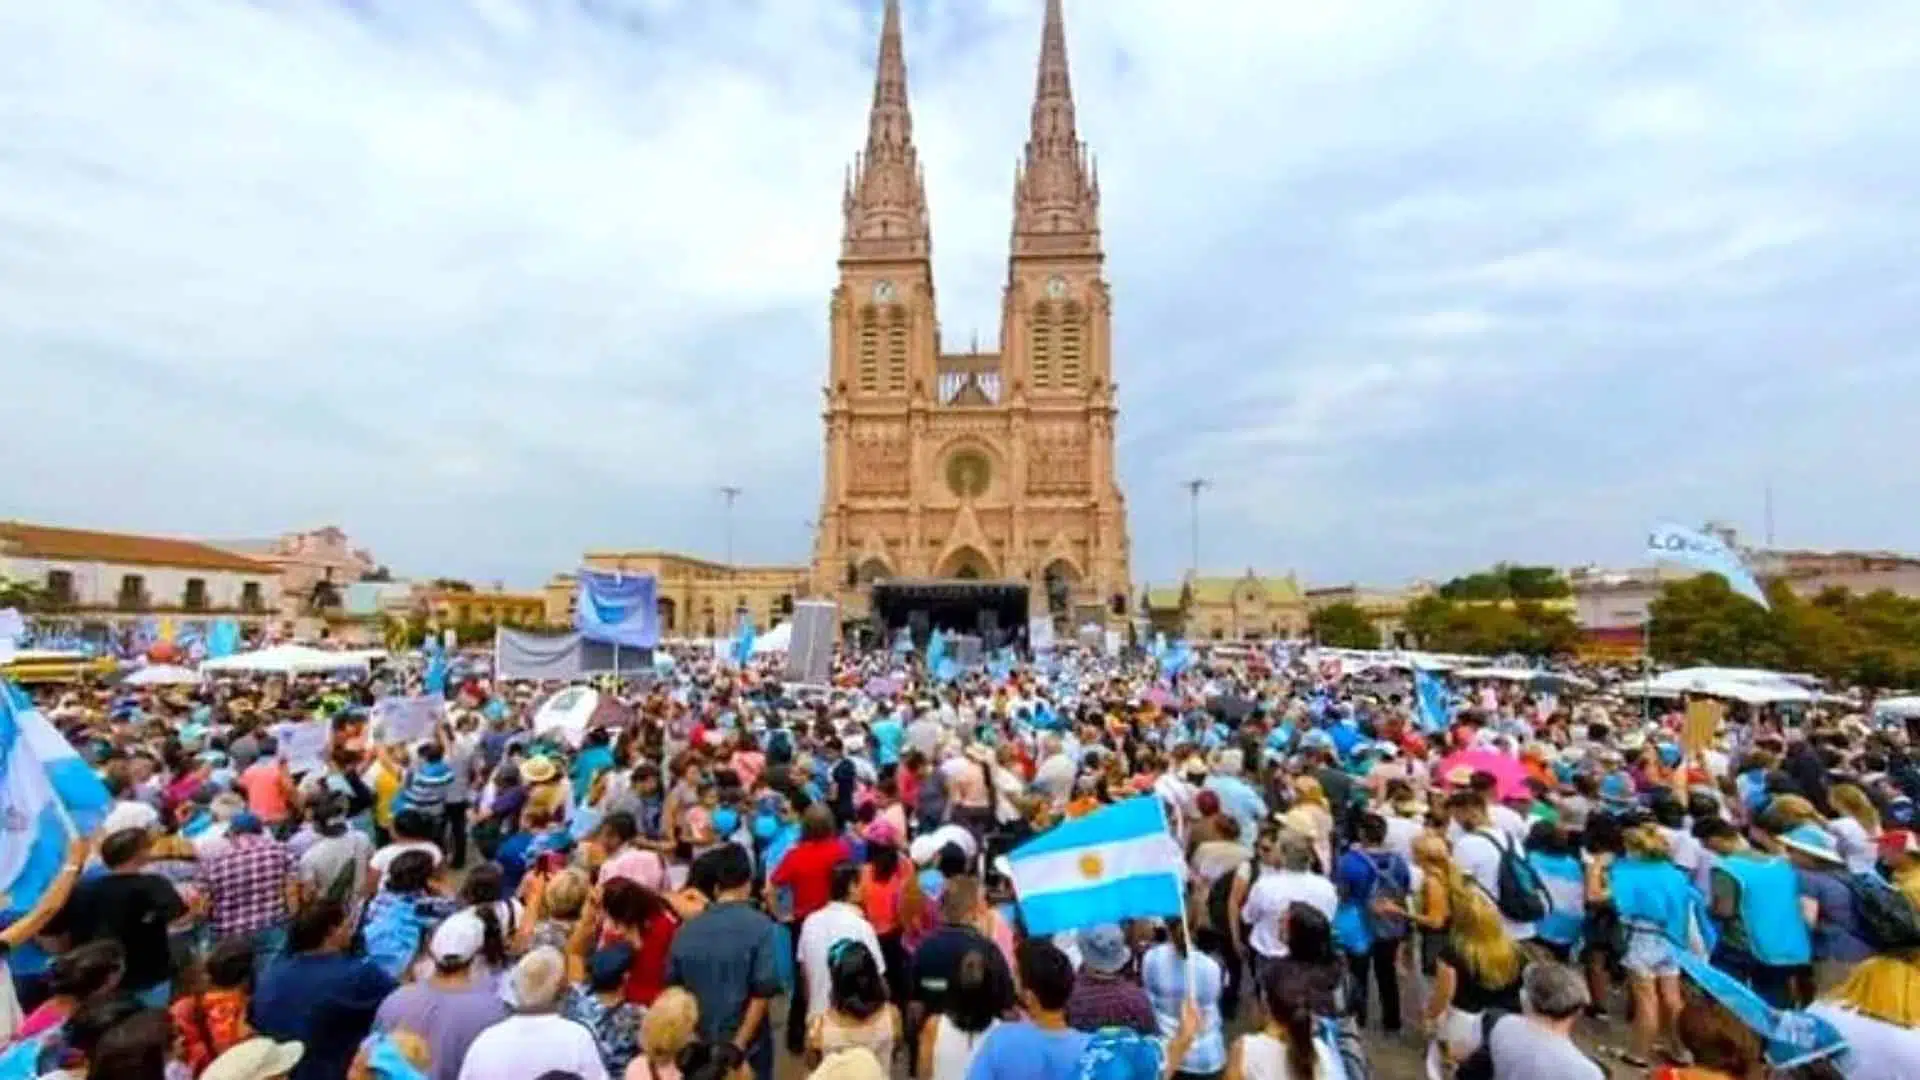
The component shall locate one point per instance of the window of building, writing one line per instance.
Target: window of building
(60, 588)
(194, 597)
(1040, 346)
(868, 366)
(897, 353)
(133, 592)
(1067, 344)
(250, 599)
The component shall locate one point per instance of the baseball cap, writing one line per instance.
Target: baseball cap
(255, 1059)
(458, 939)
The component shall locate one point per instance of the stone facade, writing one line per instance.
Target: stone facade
(1244, 608)
(698, 598)
(315, 567)
(989, 465)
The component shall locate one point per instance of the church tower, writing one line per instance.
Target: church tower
(990, 467)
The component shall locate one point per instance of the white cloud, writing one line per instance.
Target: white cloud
(491, 281)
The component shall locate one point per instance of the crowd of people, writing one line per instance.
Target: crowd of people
(727, 877)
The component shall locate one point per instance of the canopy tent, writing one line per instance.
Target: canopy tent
(1897, 708)
(289, 660)
(1746, 685)
(1553, 681)
(162, 675)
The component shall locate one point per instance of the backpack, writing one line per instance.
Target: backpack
(1479, 1064)
(1220, 895)
(1392, 882)
(1521, 897)
(1887, 919)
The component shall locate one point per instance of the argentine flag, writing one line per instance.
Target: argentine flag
(1432, 700)
(48, 798)
(1117, 863)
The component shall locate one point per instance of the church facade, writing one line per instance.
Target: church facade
(992, 466)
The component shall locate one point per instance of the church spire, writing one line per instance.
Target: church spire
(885, 205)
(1056, 201)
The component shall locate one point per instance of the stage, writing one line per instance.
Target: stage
(993, 611)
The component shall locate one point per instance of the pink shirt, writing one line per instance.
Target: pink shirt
(265, 795)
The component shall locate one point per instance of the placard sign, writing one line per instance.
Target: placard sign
(304, 746)
(398, 720)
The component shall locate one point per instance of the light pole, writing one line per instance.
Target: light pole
(1194, 487)
(729, 493)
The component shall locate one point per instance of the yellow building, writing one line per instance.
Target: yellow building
(461, 607)
(697, 597)
(1245, 608)
(1386, 607)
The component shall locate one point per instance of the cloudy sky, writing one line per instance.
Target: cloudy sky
(1417, 285)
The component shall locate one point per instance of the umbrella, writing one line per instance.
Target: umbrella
(162, 675)
(1510, 777)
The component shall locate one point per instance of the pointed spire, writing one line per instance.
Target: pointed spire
(1056, 200)
(886, 201)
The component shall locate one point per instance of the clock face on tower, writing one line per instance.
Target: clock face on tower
(883, 291)
(1056, 287)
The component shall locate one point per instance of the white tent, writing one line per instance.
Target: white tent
(288, 660)
(777, 640)
(1890, 709)
(1748, 685)
(162, 675)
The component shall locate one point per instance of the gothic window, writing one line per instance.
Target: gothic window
(869, 360)
(1067, 342)
(897, 352)
(1040, 346)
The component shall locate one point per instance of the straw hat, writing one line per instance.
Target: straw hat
(538, 770)
(255, 1059)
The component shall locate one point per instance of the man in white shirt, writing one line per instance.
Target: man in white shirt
(841, 920)
(1477, 848)
(1054, 777)
(1287, 881)
(536, 1039)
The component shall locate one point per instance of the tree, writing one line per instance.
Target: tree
(22, 595)
(378, 575)
(1343, 626)
(447, 584)
(1491, 628)
(1871, 640)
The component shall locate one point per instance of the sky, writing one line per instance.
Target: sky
(1416, 286)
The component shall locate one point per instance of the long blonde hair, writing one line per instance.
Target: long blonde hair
(1480, 937)
(1649, 843)
(1851, 801)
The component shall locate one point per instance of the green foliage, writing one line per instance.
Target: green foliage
(1491, 628)
(23, 595)
(1343, 626)
(1871, 640)
(1508, 582)
(447, 584)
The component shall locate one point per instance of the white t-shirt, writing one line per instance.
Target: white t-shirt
(1876, 1050)
(1855, 845)
(1271, 896)
(1477, 854)
(823, 930)
(1511, 822)
(526, 1046)
(1401, 833)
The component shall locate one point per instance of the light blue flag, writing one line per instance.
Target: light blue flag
(386, 1062)
(435, 680)
(936, 650)
(49, 797)
(223, 639)
(1432, 701)
(617, 609)
(743, 642)
(21, 1061)
(1793, 1038)
(1119, 862)
(1001, 666)
(1707, 553)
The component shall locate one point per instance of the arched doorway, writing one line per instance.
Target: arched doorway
(1057, 582)
(967, 564)
(870, 570)
(665, 607)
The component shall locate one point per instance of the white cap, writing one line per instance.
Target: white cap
(458, 939)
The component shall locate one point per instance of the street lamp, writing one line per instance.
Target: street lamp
(729, 493)
(1194, 487)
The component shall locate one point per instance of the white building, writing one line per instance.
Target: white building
(109, 576)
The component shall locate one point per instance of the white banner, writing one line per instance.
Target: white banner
(816, 624)
(304, 746)
(406, 719)
(1040, 633)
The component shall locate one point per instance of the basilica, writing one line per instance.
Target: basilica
(972, 489)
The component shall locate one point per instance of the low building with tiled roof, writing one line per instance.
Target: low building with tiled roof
(1250, 607)
(89, 573)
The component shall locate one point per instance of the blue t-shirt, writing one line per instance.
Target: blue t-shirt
(1022, 1051)
(887, 735)
(326, 1001)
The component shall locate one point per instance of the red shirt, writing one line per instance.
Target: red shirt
(808, 871)
(648, 975)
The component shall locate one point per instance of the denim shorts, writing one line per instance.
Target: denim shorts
(1649, 955)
